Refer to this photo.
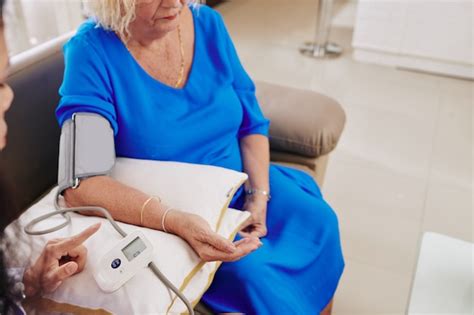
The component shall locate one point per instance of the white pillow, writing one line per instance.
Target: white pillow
(201, 189)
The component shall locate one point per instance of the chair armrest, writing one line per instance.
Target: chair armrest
(301, 121)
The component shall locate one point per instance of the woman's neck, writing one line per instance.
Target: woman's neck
(140, 40)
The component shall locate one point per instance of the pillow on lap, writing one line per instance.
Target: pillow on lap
(200, 189)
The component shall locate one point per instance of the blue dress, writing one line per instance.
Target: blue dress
(298, 268)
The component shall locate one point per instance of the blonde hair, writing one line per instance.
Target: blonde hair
(116, 15)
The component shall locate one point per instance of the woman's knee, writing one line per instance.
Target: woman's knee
(325, 221)
(318, 211)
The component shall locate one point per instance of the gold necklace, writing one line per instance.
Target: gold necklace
(181, 70)
(181, 48)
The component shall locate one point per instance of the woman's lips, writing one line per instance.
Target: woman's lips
(172, 17)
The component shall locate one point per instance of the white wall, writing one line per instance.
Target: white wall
(429, 35)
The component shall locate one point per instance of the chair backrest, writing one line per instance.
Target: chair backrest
(28, 164)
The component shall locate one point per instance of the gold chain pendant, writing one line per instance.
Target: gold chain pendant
(181, 70)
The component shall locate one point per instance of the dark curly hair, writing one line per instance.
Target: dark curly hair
(9, 213)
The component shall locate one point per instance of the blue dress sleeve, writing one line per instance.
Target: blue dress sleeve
(86, 85)
(253, 122)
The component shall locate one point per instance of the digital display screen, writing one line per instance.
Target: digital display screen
(134, 249)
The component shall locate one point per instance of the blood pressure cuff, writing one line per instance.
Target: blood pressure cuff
(86, 149)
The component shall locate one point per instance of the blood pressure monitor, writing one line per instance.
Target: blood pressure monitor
(121, 263)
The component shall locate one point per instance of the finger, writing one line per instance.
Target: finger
(76, 240)
(79, 255)
(252, 244)
(57, 275)
(255, 233)
(55, 240)
(252, 241)
(245, 234)
(247, 231)
(51, 287)
(243, 240)
(244, 248)
(259, 231)
(219, 242)
(213, 254)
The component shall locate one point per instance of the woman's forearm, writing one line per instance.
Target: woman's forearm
(123, 202)
(255, 150)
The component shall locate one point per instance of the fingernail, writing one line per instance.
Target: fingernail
(95, 226)
(71, 268)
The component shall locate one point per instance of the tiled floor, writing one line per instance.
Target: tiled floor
(404, 163)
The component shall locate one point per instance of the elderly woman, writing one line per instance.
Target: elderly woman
(168, 79)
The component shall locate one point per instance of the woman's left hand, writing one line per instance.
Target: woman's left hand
(256, 225)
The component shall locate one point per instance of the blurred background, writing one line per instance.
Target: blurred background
(403, 166)
(32, 22)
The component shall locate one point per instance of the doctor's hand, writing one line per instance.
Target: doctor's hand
(60, 259)
(256, 224)
(207, 244)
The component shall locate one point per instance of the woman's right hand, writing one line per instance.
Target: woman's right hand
(60, 259)
(209, 245)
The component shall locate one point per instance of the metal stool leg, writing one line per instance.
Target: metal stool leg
(321, 47)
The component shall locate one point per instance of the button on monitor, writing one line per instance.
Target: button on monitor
(116, 263)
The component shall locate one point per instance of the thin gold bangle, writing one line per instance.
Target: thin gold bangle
(145, 204)
(163, 219)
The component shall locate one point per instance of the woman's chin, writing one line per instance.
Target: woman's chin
(163, 26)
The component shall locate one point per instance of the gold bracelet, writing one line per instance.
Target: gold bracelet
(163, 219)
(144, 205)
